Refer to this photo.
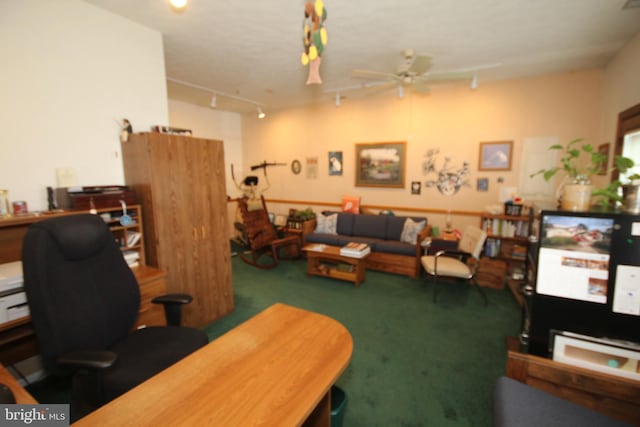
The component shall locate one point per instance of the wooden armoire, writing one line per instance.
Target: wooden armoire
(180, 183)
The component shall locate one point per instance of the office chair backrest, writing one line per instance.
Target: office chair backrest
(472, 241)
(81, 293)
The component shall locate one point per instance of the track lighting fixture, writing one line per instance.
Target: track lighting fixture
(337, 99)
(215, 93)
(400, 91)
(474, 82)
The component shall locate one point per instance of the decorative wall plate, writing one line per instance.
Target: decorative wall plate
(296, 167)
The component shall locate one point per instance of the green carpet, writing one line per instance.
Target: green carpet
(415, 363)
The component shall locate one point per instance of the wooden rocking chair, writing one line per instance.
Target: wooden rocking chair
(262, 236)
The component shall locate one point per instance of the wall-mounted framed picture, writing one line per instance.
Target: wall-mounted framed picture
(380, 164)
(604, 150)
(495, 156)
(335, 162)
(482, 184)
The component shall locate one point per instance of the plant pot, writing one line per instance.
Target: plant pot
(576, 197)
(630, 199)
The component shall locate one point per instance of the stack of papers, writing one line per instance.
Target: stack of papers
(131, 257)
(355, 250)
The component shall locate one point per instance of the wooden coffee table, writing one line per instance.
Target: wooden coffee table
(319, 263)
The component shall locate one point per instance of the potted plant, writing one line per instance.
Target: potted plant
(579, 162)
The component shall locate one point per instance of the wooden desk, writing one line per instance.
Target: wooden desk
(275, 369)
(22, 396)
(615, 396)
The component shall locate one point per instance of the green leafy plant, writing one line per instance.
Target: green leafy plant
(573, 163)
(304, 215)
(581, 162)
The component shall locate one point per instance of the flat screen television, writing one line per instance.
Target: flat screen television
(587, 278)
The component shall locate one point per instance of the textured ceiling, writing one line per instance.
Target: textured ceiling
(251, 49)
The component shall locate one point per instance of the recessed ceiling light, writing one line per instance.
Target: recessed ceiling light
(178, 4)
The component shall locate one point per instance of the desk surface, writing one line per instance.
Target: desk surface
(22, 396)
(273, 369)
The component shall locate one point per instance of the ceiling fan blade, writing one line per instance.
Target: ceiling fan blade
(434, 78)
(420, 86)
(375, 75)
(420, 64)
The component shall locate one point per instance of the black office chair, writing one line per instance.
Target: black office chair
(84, 302)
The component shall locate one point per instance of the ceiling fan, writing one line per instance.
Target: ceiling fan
(414, 73)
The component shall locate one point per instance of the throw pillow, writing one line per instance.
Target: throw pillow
(410, 230)
(327, 224)
(351, 204)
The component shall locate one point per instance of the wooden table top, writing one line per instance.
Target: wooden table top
(333, 251)
(22, 396)
(271, 370)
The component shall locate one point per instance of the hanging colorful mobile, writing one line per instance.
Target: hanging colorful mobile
(314, 38)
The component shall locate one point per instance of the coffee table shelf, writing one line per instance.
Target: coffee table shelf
(320, 263)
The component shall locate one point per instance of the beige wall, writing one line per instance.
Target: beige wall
(452, 119)
(621, 87)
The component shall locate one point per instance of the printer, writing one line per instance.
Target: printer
(13, 300)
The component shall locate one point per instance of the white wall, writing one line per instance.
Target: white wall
(70, 73)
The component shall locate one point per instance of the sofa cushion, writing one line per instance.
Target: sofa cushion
(394, 227)
(393, 247)
(411, 229)
(345, 224)
(327, 239)
(370, 226)
(326, 224)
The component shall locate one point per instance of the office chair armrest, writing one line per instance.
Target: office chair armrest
(88, 359)
(173, 299)
(173, 306)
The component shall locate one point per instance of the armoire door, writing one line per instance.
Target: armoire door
(190, 207)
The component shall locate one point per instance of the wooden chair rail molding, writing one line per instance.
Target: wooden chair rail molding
(307, 203)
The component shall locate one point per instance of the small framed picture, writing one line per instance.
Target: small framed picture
(482, 184)
(335, 163)
(495, 156)
(415, 187)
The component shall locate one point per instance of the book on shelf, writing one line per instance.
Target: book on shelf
(355, 250)
(133, 237)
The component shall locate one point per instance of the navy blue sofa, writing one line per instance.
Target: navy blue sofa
(382, 233)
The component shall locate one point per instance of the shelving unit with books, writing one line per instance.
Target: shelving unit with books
(505, 251)
(128, 234)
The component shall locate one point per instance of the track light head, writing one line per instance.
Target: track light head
(474, 82)
(261, 114)
(400, 91)
(214, 101)
(337, 99)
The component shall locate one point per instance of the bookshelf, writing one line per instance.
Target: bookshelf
(504, 259)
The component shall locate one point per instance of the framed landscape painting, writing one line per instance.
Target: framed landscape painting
(380, 164)
(495, 156)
